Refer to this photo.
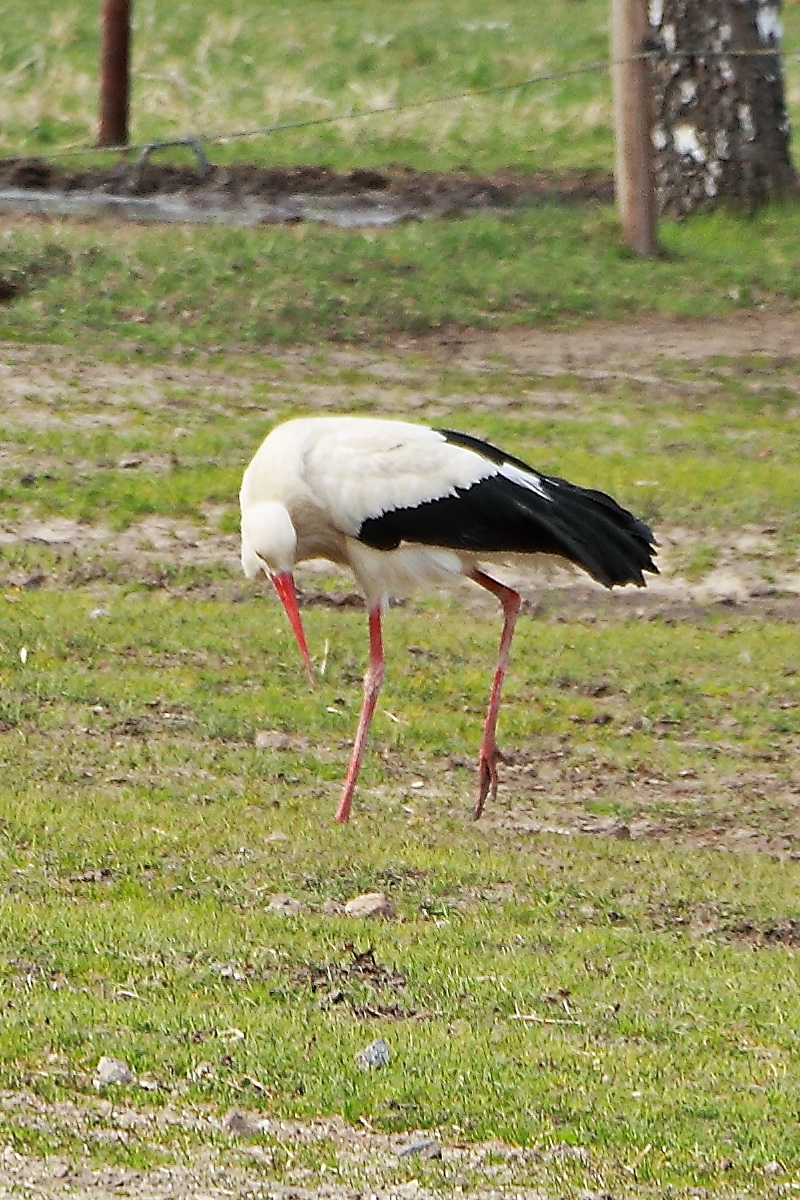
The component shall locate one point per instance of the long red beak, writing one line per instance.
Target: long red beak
(284, 586)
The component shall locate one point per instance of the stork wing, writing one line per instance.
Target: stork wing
(363, 468)
(387, 482)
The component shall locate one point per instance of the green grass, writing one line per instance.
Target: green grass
(633, 892)
(199, 69)
(137, 856)
(193, 288)
(142, 833)
(202, 70)
(168, 288)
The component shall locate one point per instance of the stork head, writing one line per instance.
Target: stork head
(269, 544)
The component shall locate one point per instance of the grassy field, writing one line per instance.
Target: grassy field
(209, 69)
(158, 289)
(591, 992)
(205, 69)
(632, 895)
(200, 288)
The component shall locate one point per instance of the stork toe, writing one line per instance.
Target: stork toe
(488, 758)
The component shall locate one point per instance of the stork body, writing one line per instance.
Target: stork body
(403, 506)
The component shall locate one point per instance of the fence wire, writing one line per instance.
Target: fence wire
(220, 139)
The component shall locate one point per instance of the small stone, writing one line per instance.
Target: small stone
(334, 997)
(376, 1054)
(370, 904)
(112, 1070)
(203, 1070)
(239, 1123)
(286, 906)
(228, 971)
(430, 1148)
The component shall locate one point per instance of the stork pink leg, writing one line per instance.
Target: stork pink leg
(372, 686)
(489, 754)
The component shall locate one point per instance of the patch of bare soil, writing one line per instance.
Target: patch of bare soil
(149, 550)
(144, 546)
(708, 919)
(264, 1156)
(569, 793)
(594, 351)
(619, 350)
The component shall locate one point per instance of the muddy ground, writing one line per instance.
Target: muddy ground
(143, 189)
(368, 1161)
(422, 191)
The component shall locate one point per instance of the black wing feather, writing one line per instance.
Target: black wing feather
(498, 515)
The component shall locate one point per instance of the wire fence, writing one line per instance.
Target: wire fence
(199, 139)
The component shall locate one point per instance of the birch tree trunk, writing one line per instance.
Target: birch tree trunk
(720, 128)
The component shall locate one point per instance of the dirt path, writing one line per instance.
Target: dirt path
(618, 349)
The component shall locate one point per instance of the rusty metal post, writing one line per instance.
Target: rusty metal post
(115, 73)
(633, 166)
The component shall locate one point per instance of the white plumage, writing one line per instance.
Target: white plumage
(404, 506)
(333, 472)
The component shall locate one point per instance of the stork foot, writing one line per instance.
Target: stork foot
(343, 811)
(488, 758)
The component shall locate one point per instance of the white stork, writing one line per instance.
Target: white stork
(404, 505)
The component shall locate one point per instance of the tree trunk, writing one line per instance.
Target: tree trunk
(720, 130)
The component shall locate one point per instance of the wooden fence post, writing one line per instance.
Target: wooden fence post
(115, 73)
(632, 119)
